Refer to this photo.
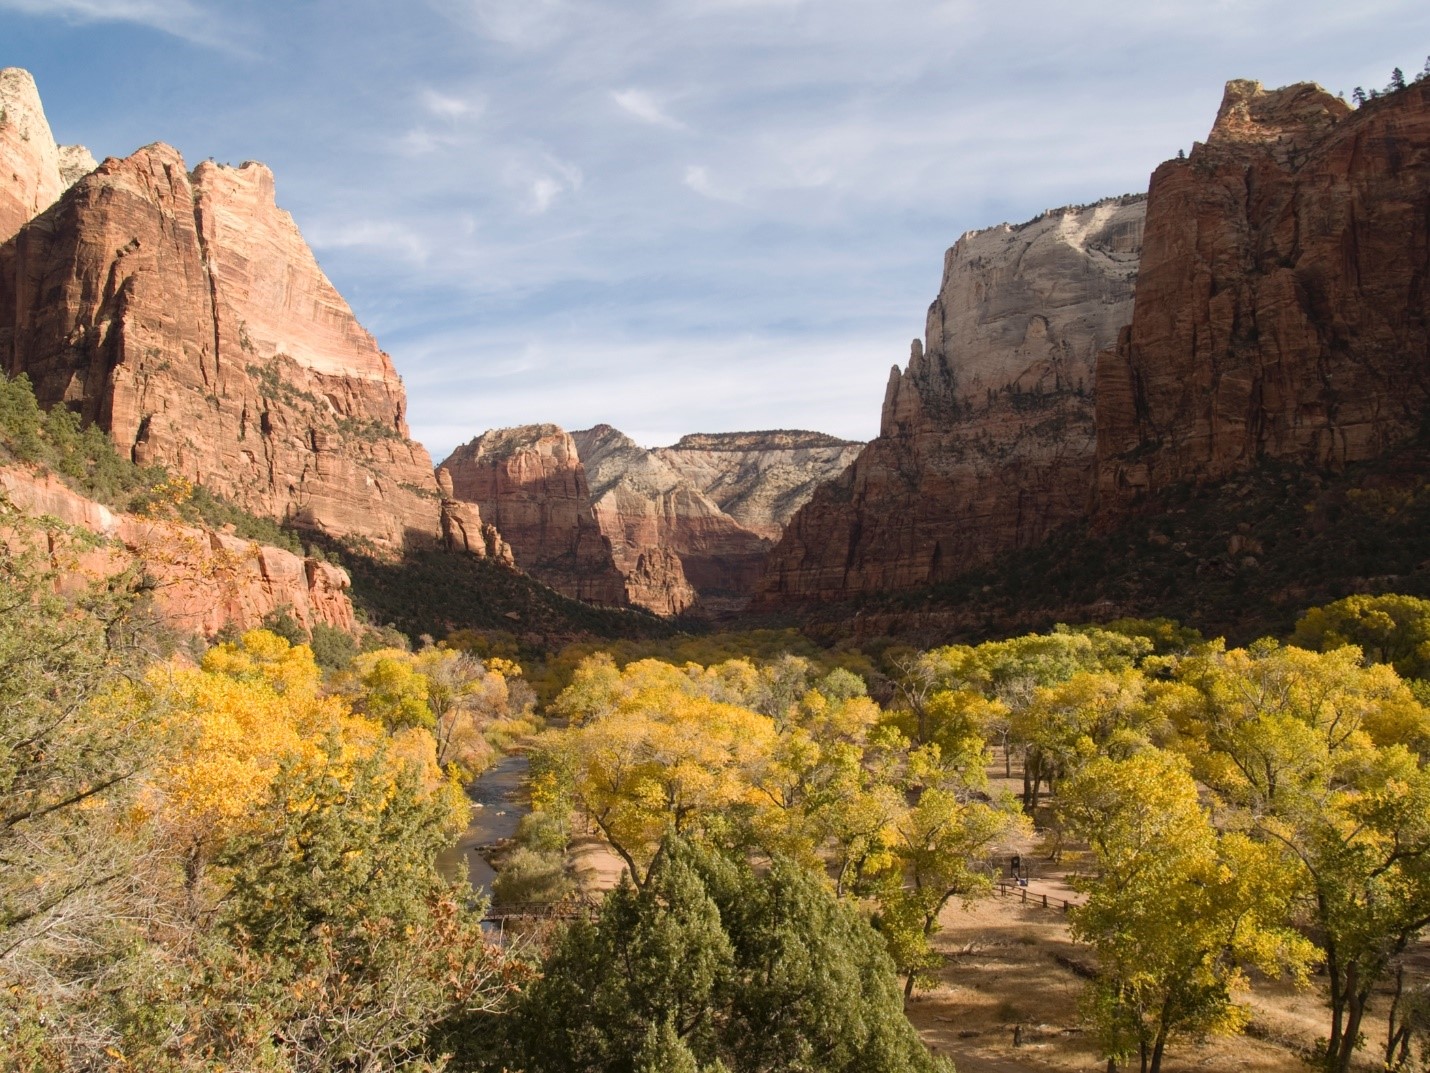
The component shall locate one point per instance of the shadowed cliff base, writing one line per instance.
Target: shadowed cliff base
(1241, 559)
(436, 592)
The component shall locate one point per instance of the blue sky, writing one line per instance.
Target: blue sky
(669, 215)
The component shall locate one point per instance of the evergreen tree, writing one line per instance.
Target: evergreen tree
(710, 968)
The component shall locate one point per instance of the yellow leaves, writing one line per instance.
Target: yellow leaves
(653, 755)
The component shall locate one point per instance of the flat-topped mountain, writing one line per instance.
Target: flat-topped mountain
(677, 525)
(760, 478)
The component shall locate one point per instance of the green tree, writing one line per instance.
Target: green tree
(712, 967)
(75, 746)
(1174, 909)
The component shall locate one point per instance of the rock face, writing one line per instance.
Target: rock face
(204, 580)
(1283, 307)
(529, 483)
(463, 529)
(988, 437)
(759, 478)
(34, 171)
(647, 509)
(184, 314)
(598, 517)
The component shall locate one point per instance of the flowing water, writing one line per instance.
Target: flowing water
(497, 809)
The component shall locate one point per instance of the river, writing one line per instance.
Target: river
(497, 808)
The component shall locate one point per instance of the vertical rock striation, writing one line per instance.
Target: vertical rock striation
(186, 316)
(988, 437)
(529, 483)
(1283, 307)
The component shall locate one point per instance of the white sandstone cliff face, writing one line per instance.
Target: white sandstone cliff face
(988, 437)
(1022, 310)
(760, 478)
(34, 171)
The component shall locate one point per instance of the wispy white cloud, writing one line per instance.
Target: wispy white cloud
(389, 237)
(179, 18)
(683, 214)
(697, 178)
(523, 24)
(643, 106)
(446, 106)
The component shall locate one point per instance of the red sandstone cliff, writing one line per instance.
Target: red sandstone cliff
(529, 483)
(204, 580)
(1283, 306)
(185, 314)
(988, 438)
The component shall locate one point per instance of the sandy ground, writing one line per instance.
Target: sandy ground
(1010, 963)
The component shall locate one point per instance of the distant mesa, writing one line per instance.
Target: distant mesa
(600, 518)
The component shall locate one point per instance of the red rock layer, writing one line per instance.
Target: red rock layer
(204, 580)
(988, 437)
(1283, 306)
(185, 314)
(530, 484)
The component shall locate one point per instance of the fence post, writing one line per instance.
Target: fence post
(1045, 901)
(1023, 891)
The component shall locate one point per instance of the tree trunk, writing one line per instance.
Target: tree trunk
(1157, 1050)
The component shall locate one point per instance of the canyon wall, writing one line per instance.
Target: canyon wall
(759, 478)
(1283, 306)
(988, 438)
(203, 579)
(600, 518)
(34, 171)
(529, 483)
(184, 313)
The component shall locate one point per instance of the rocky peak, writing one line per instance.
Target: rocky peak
(185, 315)
(34, 171)
(988, 436)
(1251, 114)
(529, 482)
(1281, 309)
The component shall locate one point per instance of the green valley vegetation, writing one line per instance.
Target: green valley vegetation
(229, 860)
(1228, 811)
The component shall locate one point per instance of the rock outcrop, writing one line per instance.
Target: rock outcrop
(759, 478)
(529, 483)
(463, 529)
(1283, 306)
(203, 579)
(988, 437)
(649, 511)
(184, 314)
(34, 171)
